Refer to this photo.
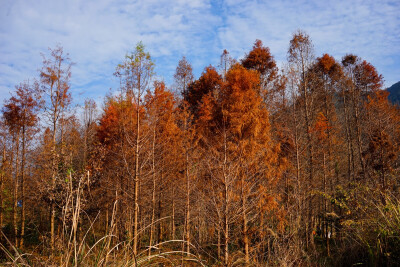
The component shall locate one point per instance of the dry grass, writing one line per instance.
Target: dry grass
(105, 251)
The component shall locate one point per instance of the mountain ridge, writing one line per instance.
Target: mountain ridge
(394, 93)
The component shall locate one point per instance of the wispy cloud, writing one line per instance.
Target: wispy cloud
(370, 29)
(97, 34)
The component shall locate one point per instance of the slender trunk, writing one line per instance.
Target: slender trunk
(246, 238)
(136, 202)
(308, 128)
(329, 117)
(310, 154)
(85, 145)
(219, 239)
(226, 232)
(16, 184)
(325, 226)
(159, 237)
(199, 225)
(53, 181)
(296, 144)
(350, 174)
(187, 230)
(173, 213)
(106, 227)
(75, 206)
(382, 163)
(187, 174)
(153, 193)
(286, 196)
(356, 101)
(23, 187)
(116, 214)
(226, 207)
(62, 148)
(263, 235)
(2, 176)
(245, 222)
(298, 169)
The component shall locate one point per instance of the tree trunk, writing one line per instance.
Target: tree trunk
(23, 188)
(153, 200)
(187, 174)
(245, 222)
(159, 234)
(226, 207)
(218, 240)
(53, 181)
(310, 153)
(2, 176)
(136, 202)
(356, 102)
(299, 198)
(187, 230)
(15, 210)
(350, 158)
(226, 231)
(173, 213)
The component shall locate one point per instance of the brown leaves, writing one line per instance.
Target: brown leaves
(321, 127)
(108, 123)
(55, 75)
(367, 76)
(21, 110)
(326, 63)
(242, 104)
(301, 48)
(183, 75)
(209, 82)
(261, 60)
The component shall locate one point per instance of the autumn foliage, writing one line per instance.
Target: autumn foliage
(247, 165)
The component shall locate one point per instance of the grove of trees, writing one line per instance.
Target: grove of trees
(248, 165)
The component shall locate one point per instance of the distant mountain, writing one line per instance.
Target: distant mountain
(394, 93)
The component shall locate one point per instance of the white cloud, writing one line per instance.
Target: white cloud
(370, 29)
(97, 34)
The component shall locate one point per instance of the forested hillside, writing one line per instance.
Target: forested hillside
(248, 165)
(394, 93)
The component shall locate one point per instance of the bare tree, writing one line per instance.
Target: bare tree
(301, 57)
(183, 76)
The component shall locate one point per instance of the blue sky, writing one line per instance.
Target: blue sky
(97, 34)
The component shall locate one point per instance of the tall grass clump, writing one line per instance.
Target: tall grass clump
(73, 250)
